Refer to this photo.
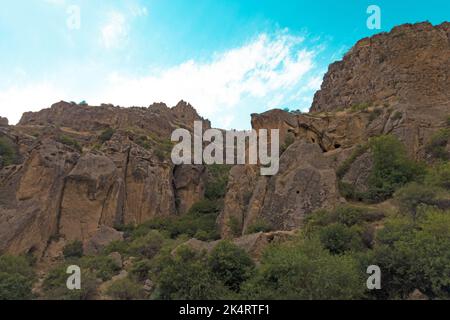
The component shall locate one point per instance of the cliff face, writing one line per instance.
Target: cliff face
(409, 65)
(393, 83)
(67, 181)
(79, 171)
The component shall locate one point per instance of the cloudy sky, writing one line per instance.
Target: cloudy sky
(229, 58)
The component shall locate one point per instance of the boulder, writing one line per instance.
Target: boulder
(4, 122)
(100, 239)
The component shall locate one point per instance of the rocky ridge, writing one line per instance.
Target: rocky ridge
(81, 171)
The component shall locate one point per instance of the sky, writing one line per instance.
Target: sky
(228, 58)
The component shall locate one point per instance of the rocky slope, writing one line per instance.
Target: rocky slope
(67, 182)
(80, 171)
(393, 83)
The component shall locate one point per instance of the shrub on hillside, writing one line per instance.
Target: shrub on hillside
(392, 168)
(231, 265)
(73, 250)
(126, 289)
(305, 271)
(54, 286)
(106, 135)
(414, 255)
(8, 155)
(68, 141)
(436, 147)
(186, 276)
(16, 278)
(411, 196)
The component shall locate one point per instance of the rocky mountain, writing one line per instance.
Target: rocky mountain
(77, 172)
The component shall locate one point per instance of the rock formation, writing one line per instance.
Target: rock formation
(76, 172)
(67, 183)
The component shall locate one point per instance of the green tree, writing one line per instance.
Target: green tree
(391, 168)
(186, 276)
(415, 255)
(125, 289)
(305, 270)
(16, 278)
(231, 264)
(411, 196)
(73, 250)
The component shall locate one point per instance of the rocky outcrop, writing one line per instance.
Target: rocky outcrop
(73, 186)
(4, 122)
(189, 184)
(71, 181)
(157, 118)
(100, 239)
(305, 182)
(30, 198)
(409, 65)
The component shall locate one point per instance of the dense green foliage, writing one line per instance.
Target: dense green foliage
(436, 147)
(68, 141)
(73, 250)
(216, 185)
(186, 276)
(231, 265)
(16, 278)
(125, 289)
(55, 288)
(106, 135)
(305, 270)
(415, 255)
(8, 155)
(391, 168)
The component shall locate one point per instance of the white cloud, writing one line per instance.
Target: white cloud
(16, 100)
(265, 68)
(269, 71)
(115, 31)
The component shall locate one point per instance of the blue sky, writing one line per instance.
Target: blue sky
(229, 58)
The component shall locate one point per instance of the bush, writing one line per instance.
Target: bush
(55, 285)
(338, 238)
(415, 255)
(235, 226)
(436, 147)
(391, 168)
(147, 246)
(186, 276)
(290, 139)
(439, 176)
(216, 185)
(126, 289)
(362, 107)
(102, 267)
(375, 114)
(397, 116)
(260, 225)
(412, 195)
(73, 250)
(70, 142)
(8, 155)
(304, 271)
(140, 270)
(106, 135)
(231, 265)
(16, 278)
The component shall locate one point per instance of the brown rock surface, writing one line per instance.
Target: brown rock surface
(409, 65)
(4, 122)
